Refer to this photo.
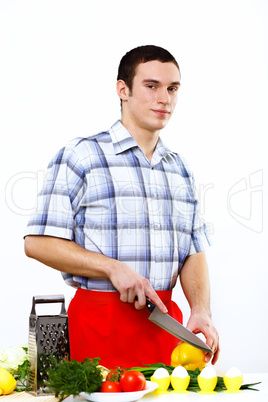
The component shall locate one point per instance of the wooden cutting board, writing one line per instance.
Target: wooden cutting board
(25, 397)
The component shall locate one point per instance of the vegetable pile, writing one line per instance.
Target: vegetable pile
(72, 377)
(120, 380)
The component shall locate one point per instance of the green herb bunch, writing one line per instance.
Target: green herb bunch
(22, 375)
(72, 377)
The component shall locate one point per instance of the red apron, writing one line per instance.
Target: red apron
(100, 325)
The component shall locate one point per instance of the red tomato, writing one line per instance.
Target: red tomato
(110, 386)
(132, 381)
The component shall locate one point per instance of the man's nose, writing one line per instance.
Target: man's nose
(163, 96)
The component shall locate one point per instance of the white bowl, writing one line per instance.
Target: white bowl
(119, 396)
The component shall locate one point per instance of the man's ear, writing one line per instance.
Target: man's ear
(122, 90)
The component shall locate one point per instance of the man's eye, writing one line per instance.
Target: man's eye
(173, 89)
(151, 86)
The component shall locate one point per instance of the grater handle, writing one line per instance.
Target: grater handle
(49, 299)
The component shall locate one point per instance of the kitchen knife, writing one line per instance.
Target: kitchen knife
(172, 326)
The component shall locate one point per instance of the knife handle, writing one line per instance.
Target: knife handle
(150, 305)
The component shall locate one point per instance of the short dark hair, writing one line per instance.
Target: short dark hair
(141, 54)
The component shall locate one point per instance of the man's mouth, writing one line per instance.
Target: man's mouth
(161, 112)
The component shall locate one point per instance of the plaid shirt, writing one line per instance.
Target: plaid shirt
(104, 194)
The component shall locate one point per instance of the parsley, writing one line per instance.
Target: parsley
(22, 373)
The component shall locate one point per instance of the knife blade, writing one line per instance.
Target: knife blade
(169, 324)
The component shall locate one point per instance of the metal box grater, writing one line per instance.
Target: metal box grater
(48, 336)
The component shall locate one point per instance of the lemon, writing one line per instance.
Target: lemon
(7, 382)
(188, 356)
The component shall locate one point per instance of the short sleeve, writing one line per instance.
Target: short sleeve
(59, 198)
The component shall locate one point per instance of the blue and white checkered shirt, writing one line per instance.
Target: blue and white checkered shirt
(104, 194)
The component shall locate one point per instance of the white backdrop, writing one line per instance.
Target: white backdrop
(58, 71)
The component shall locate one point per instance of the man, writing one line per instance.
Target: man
(118, 216)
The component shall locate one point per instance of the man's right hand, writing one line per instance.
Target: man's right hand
(133, 287)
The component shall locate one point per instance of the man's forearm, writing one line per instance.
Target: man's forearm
(195, 282)
(67, 256)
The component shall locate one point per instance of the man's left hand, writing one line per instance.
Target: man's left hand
(200, 322)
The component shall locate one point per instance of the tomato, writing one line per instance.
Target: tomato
(132, 381)
(115, 374)
(110, 386)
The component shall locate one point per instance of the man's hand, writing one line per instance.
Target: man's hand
(202, 323)
(133, 287)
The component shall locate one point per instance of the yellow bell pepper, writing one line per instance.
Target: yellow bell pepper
(188, 356)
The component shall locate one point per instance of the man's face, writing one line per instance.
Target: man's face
(153, 97)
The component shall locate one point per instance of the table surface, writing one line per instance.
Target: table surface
(244, 396)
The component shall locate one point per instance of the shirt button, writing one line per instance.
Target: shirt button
(154, 195)
(157, 226)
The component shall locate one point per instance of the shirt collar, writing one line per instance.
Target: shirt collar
(123, 140)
